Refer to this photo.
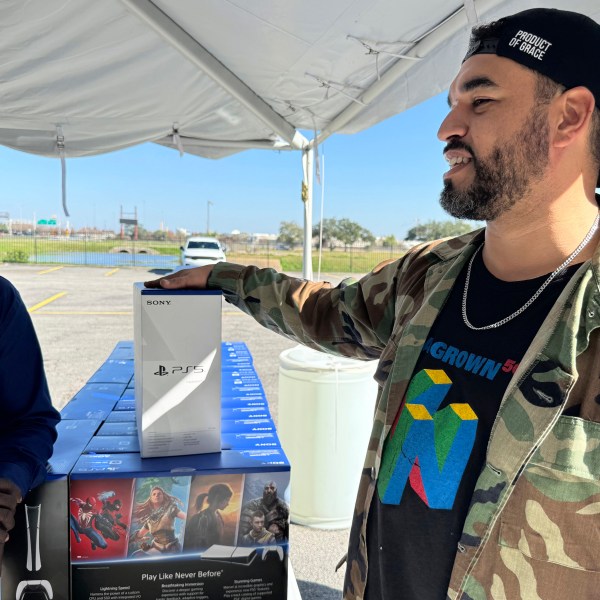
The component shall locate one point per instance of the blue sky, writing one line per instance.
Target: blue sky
(386, 178)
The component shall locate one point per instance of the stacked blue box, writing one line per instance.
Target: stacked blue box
(127, 404)
(176, 488)
(246, 418)
(72, 437)
(121, 416)
(128, 394)
(36, 562)
(233, 387)
(251, 399)
(94, 391)
(235, 353)
(88, 466)
(93, 401)
(101, 444)
(237, 348)
(114, 371)
(243, 412)
(245, 440)
(82, 409)
(115, 436)
(118, 428)
(109, 483)
(124, 350)
(238, 374)
(263, 425)
(240, 381)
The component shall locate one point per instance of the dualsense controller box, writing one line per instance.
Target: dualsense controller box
(177, 347)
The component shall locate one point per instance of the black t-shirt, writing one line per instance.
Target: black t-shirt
(437, 446)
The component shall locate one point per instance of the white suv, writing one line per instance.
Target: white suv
(199, 251)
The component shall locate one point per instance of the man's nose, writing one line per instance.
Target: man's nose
(453, 126)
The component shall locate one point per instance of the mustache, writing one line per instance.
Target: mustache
(458, 145)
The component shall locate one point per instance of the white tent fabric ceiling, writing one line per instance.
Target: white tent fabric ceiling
(223, 75)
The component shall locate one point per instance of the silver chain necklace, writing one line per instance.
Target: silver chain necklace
(531, 300)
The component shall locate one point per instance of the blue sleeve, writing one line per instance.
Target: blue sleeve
(27, 418)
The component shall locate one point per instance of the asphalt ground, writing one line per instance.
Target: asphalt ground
(80, 313)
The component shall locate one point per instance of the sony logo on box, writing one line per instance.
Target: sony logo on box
(177, 341)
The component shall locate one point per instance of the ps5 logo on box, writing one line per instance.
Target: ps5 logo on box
(178, 370)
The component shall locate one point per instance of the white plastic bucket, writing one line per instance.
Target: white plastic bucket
(326, 406)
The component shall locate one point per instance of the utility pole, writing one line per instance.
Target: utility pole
(208, 205)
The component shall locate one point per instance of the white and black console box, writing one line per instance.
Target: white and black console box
(177, 342)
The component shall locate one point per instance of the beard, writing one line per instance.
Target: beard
(269, 498)
(503, 177)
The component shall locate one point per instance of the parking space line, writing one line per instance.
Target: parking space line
(46, 301)
(50, 270)
(109, 273)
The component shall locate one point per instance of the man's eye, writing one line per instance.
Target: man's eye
(479, 101)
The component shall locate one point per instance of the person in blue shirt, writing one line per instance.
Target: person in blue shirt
(27, 418)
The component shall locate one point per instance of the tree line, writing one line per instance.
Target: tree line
(346, 233)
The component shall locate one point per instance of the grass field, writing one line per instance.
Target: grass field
(30, 244)
(38, 249)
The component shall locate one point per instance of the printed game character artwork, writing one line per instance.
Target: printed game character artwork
(258, 535)
(110, 521)
(265, 492)
(99, 518)
(213, 517)
(158, 516)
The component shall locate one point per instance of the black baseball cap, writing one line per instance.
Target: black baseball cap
(561, 44)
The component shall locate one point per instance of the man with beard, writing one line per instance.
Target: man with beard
(482, 473)
(276, 513)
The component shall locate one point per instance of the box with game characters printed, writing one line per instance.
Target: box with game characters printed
(204, 526)
(36, 558)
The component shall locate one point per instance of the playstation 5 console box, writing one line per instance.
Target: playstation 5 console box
(36, 557)
(177, 365)
(151, 540)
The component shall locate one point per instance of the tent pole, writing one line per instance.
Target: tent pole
(449, 27)
(183, 42)
(308, 156)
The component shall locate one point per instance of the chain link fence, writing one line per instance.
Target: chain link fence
(94, 250)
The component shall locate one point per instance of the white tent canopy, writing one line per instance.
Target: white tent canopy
(214, 77)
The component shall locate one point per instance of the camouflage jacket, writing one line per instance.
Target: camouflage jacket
(532, 530)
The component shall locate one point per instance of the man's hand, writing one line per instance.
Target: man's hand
(10, 496)
(191, 279)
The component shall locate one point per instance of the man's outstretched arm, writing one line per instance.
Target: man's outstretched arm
(191, 279)
(353, 319)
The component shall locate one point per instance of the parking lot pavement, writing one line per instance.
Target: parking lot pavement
(80, 313)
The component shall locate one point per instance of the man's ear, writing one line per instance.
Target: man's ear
(574, 108)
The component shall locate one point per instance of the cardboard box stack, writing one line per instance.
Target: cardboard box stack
(170, 527)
